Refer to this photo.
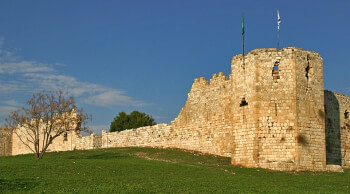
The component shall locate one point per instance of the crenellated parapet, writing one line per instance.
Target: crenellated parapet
(199, 84)
(218, 80)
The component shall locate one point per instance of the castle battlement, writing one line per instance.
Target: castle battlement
(199, 83)
(272, 113)
(218, 80)
(271, 109)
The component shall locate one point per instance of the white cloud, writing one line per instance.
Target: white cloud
(1, 42)
(98, 128)
(60, 64)
(112, 98)
(5, 110)
(93, 94)
(9, 106)
(19, 76)
(160, 117)
(23, 67)
(12, 103)
(11, 86)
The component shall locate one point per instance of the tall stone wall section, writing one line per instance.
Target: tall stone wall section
(310, 110)
(272, 128)
(337, 108)
(204, 124)
(206, 119)
(264, 109)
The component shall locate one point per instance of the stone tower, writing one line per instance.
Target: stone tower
(278, 114)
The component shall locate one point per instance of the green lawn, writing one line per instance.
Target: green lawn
(148, 170)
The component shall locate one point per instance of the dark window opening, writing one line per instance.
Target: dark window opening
(307, 69)
(308, 73)
(346, 114)
(65, 137)
(243, 102)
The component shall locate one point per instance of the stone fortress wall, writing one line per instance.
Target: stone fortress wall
(71, 141)
(272, 113)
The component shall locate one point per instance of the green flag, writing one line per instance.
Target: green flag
(242, 24)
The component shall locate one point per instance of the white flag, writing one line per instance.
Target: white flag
(278, 19)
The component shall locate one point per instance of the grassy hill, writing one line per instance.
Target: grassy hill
(147, 170)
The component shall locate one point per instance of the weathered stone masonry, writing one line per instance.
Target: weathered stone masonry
(337, 107)
(72, 140)
(271, 113)
(5, 143)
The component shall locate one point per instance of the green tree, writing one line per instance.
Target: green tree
(133, 120)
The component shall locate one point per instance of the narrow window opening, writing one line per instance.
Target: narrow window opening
(307, 69)
(243, 102)
(275, 71)
(346, 114)
(308, 73)
(65, 137)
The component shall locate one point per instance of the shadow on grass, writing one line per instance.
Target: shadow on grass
(100, 156)
(17, 185)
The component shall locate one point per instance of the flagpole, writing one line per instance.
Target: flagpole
(278, 29)
(243, 36)
(243, 44)
(278, 39)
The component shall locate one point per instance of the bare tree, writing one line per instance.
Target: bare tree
(47, 116)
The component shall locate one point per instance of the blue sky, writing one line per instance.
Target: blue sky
(141, 55)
